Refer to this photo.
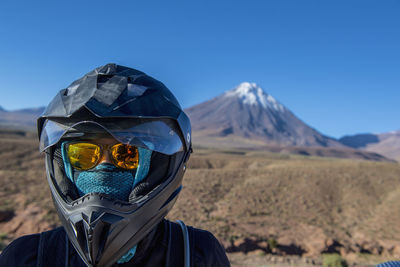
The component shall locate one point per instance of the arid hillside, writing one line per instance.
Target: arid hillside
(259, 204)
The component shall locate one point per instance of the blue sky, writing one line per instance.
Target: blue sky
(335, 64)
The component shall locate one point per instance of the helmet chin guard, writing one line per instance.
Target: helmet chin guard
(94, 222)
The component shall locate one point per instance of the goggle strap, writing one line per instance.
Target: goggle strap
(144, 165)
(67, 164)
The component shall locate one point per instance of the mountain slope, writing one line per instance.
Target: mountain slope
(387, 144)
(248, 112)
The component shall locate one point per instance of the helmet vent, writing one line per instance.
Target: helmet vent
(102, 241)
(92, 234)
(81, 236)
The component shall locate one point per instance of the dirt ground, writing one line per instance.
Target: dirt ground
(265, 208)
(242, 260)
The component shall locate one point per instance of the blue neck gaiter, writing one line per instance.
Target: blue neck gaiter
(105, 178)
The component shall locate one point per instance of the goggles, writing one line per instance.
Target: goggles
(84, 155)
(157, 135)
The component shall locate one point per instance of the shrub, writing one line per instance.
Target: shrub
(272, 243)
(333, 260)
(3, 237)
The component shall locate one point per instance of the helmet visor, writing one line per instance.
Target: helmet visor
(158, 135)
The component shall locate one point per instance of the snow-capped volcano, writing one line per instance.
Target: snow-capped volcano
(247, 111)
(251, 94)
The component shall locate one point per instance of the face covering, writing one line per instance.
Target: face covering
(105, 178)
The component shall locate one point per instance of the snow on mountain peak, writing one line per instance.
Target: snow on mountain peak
(252, 94)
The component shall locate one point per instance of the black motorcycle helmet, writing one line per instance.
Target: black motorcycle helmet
(134, 109)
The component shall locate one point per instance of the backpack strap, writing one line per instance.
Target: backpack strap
(66, 250)
(176, 256)
(53, 248)
(39, 262)
(186, 244)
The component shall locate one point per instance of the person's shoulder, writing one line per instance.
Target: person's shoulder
(207, 250)
(202, 237)
(23, 250)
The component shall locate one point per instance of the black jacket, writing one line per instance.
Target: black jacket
(162, 247)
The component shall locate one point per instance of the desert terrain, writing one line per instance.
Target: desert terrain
(267, 209)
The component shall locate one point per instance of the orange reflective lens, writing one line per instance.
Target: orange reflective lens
(84, 156)
(125, 156)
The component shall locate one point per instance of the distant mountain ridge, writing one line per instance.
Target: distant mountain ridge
(359, 140)
(247, 117)
(22, 118)
(387, 144)
(36, 111)
(248, 112)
